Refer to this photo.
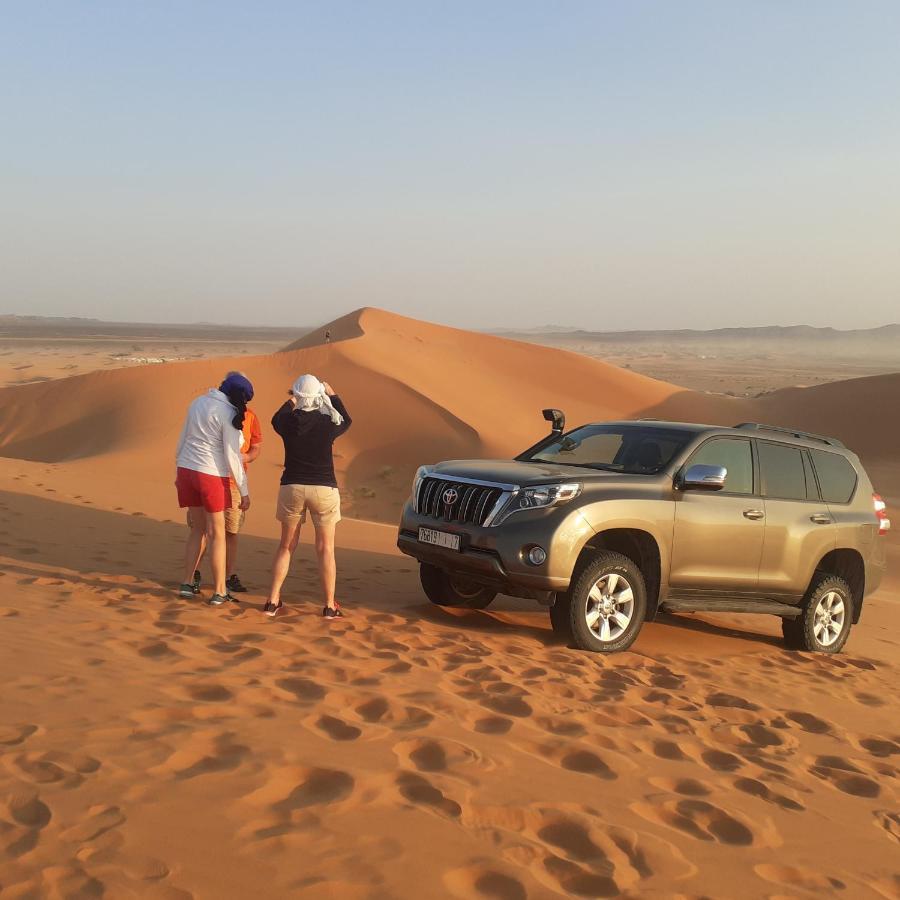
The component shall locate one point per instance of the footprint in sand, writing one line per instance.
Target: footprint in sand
(687, 787)
(421, 792)
(337, 729)
(798, 878)
(889, 820)
(877, 747)
(840, 773)
(16, 734)
(319, 787)
(808, 722)
(698, 819)
(484, 881)
(432, 755)
(302, 689)
(758, 789)
(99, 820)
(26, 815)
(209, 693)
(721, 761)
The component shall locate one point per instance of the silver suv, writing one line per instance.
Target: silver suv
(612, 522)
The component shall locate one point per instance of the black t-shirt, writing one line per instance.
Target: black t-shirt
(308, 437)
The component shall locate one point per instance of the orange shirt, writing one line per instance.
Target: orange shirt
(252, 434)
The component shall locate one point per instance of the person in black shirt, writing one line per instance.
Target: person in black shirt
(308, 423)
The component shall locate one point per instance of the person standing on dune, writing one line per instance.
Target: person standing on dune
(209, 451)
(309, 423)
(251, 439)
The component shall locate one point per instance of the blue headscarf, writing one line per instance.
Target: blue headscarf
(238, 389)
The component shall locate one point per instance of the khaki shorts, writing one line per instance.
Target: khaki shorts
(323, 503)
(234, 516)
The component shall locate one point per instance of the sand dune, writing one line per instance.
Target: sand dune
(152, 747)
(417, 392)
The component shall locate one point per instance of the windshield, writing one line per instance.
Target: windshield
(634, 449)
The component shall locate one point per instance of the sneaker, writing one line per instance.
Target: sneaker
(330, 613)
(272, 609)
(187, 591)
(197, 579)
(234, 585)
(219, 599)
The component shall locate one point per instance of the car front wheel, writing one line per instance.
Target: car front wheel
(606, 604)
(445, 589)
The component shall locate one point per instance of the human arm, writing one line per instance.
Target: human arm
(231, 440)
(282, 417)
(338, 404)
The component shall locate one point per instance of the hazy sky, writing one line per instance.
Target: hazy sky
(600, 164)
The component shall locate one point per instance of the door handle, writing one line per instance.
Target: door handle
(821, 519)
(754, 514)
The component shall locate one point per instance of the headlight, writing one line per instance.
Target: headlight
(421, 472)
(538, 497)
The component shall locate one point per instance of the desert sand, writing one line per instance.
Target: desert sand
(153, 747)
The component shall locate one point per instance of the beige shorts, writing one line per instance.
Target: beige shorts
(234, 516)
(323, 503)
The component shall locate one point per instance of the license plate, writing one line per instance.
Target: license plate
(439, 538)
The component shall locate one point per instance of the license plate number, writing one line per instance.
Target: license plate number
(439, 538)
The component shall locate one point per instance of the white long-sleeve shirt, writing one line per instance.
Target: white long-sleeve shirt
(210, 443)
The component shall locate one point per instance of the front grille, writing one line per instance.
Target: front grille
(472, 504)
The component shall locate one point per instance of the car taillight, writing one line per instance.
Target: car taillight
(884, 523)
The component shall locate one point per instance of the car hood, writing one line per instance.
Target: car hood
(509, 471)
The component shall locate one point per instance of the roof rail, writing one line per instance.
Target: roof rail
(793, 432)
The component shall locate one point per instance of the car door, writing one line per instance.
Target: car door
(718, 535)
(800, 528)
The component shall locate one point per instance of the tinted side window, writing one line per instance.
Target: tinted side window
(735, 455)
(836, 476)
(782, 471)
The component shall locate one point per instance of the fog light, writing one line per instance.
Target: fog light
(537, 556)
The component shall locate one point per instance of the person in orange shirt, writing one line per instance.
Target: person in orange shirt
(234, 517)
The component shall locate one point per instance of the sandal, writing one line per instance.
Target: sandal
(272, 609)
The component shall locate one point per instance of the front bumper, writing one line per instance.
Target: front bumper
(494, 556)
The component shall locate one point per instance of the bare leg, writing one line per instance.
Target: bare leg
(195, 540)
(327, 565)
(231, 541)
(290, 537)
(215, 541)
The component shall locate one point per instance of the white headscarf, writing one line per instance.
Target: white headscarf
(311, 397)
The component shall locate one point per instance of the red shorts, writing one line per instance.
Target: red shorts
(212, 492)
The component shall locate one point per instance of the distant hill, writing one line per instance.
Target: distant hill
(60, 327)
(765, 332)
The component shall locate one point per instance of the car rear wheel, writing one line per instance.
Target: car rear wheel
(607, 604)
(444, 589)
(823, 625)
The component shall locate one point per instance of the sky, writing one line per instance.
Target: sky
(491, 164)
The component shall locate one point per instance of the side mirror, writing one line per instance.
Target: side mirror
(704, 478)
(558, 418)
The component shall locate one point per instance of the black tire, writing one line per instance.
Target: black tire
(632, 601)
(444, 589)
(814, 629)
(560, 617)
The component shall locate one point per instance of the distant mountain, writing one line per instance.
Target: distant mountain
(765, 332)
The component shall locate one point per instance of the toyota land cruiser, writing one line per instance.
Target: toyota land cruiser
(612, 522)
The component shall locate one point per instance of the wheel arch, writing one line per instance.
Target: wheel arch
(848, 564)
(640, 546)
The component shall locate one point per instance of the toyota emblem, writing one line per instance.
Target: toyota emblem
(450, 496)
